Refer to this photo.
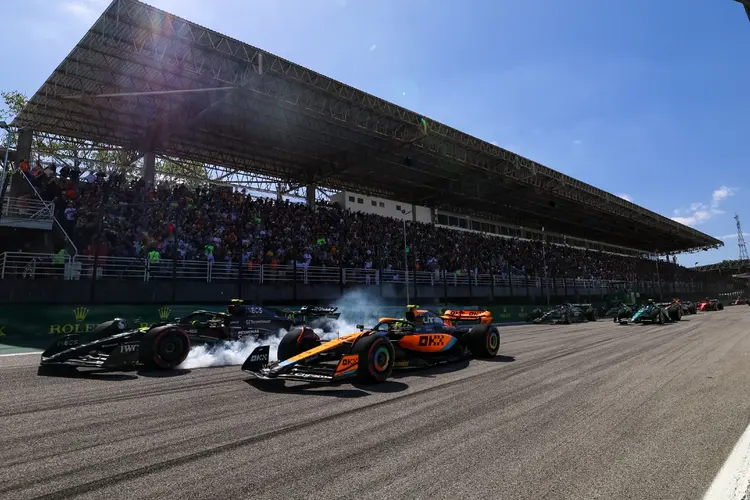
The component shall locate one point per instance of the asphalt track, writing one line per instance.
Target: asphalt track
(584, 411)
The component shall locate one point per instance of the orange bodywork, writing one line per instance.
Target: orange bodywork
(347, 365)
(325, 346)
(481, 317)
(426, 342)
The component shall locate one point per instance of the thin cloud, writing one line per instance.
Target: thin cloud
(625, 197)
(577, 141)
(85, 10)
(722, 194)
(699, 212)
(373, 47)
(732, 236)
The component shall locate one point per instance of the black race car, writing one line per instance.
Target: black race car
(115, 346)
(370, 355)
(689, 306)
(323, 317)
(240, 321)
(621, 313)
(674, 309)
(535, 314)
(569, 313)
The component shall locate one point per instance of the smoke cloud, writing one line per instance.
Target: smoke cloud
(356, 307)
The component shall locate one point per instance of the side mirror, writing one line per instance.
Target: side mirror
(360, 327)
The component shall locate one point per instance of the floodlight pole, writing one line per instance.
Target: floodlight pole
(658, 279)
(544, 263)
(406, 258)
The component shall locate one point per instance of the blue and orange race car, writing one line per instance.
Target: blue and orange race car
(370, 355)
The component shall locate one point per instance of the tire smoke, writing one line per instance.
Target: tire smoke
(357, 307)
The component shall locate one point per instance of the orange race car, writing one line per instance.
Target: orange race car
(370, 355)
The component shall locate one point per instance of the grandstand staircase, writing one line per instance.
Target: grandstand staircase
(24, 208)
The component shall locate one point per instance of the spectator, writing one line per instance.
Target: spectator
(218, 225)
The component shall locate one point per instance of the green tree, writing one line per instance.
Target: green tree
(90, 155)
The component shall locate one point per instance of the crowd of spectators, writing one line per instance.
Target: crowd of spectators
(219, 224)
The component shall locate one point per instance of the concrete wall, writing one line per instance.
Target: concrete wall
(381, 206)
(51, 291)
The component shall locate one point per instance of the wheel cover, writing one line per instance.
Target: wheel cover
(171, 348)
(381, 359)
(493, 340)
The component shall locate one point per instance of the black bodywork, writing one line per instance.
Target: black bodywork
(674, 310)
(242, 321)
(239, 322)
(621, 313)
(569, 313)
(302, 356)
(689, 307)
(323, 317)
(114, 345)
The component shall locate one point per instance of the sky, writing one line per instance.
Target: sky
(644, 99)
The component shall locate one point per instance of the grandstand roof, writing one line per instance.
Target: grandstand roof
(730, 265)
(746, 4)
(146, 80)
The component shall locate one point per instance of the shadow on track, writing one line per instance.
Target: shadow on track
(330, 390)
(112, 376)
(433, 371)
(177, 372)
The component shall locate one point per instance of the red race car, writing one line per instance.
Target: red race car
(710, 305)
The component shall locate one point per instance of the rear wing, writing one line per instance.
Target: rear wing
(464, 314)
(319, 310)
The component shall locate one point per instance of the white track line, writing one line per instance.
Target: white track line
(19, 354)
(733, 480)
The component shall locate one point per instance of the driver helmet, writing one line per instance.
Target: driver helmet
(237, 308)
(411, 313)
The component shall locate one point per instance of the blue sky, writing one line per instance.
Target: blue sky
(642, 98)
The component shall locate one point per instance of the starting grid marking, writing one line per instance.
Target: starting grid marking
(733, 480)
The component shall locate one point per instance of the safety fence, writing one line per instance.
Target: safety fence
(18, 265)
(27, 208)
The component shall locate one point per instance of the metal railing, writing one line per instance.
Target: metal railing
(19, 265)
(54, 219)
(28, 208)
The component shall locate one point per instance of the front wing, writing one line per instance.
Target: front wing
(115, 352)
(321, 364)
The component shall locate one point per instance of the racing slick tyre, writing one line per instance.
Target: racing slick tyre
(376, 358)
(675, 315)
(297, 341)
(719, 306)
(164, 348)
(483, 341)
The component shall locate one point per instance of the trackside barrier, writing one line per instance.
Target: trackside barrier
(20, 265)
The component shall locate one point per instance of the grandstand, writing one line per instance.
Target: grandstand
(149, 82)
